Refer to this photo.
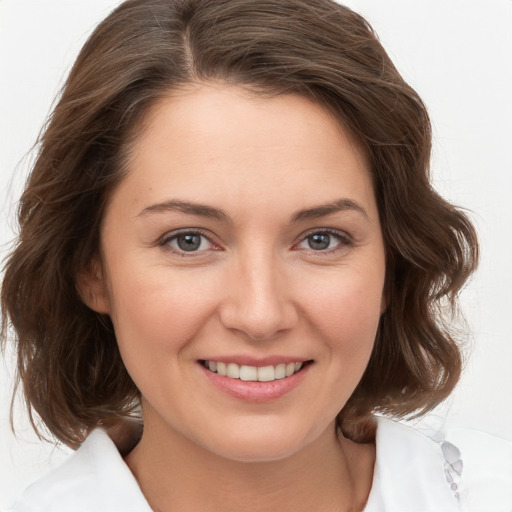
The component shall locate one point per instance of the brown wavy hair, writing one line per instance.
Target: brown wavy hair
(68, 361)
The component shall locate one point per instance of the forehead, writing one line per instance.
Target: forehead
(223, 143)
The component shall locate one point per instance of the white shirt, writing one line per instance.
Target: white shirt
(412, 474)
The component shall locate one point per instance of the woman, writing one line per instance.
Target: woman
(230, 232)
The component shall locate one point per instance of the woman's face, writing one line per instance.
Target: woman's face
(245, 236)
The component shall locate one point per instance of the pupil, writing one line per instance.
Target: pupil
(319, 241)
(189, 242)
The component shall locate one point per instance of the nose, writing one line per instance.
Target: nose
(257, 299)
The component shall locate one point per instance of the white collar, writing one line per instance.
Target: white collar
(409, 472)
(408, 476)
(94, 478)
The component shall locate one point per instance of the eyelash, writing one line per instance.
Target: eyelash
(167, 239)
(345, 241)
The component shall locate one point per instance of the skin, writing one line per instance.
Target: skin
(254, 288)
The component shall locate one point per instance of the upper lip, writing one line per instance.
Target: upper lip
(242, 360)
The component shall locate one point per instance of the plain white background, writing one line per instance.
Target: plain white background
(457, 54)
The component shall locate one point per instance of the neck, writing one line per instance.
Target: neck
(331, 474)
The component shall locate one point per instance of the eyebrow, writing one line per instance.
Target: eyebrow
(339, 205)
(202, 210)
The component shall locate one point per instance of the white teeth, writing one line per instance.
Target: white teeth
(221, 369)
(280, 371)
(233, 371)
(248, 373)
(266, 374)
(253, 373)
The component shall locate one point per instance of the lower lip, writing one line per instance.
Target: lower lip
(252, 391)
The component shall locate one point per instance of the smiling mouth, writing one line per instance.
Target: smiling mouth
(255, 373)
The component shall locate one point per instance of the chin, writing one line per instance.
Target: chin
(261, 443)
(261, 450)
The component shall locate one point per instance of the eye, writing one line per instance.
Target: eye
(187, 242)
(323, 241)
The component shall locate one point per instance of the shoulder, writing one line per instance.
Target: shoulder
(95, 477)
(466, 470)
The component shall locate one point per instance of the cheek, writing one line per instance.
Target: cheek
(159, 311)
(346, 311)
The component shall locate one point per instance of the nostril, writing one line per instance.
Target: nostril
(258, 311)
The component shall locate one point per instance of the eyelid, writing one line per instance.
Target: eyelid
(346, 239)
(165, 240)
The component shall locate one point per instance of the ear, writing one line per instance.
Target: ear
(92, 288)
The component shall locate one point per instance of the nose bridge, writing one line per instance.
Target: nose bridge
(257, 302)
